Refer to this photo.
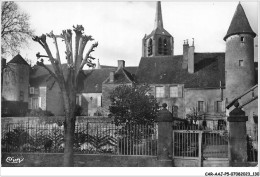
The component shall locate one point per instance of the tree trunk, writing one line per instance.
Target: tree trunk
(68, 160)
(69, 128)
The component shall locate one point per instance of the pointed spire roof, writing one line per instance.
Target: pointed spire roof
(18, 59)
(239, 24)
(158, 25)
(158, 16)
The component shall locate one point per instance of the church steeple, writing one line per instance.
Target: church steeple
(159, 42)
(158, 16)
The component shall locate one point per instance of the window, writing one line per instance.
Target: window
(31, 90)
(99, 101)
(160, 46)
(242, 39)
(221, 125)
(218, 106)
(241, 63)
(36, 91)
(35, 103)
(200, 106)
(165, 47)
(78, 100)
(21, 78)
(21, 96)
(150, 47)
(173, 91)
(159, 92)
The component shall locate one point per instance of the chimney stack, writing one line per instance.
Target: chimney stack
(185, 54)
(191, 63)
(111, 76)
(121, 64)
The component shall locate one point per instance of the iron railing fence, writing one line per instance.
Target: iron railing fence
(252, 145)
(186, 143)
(207, 138)
(89, 138)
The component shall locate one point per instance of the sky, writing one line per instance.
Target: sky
(120, 26)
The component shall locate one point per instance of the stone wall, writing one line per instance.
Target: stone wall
(208, 96)
(15, 80)
(175, 105)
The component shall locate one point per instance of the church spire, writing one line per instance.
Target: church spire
(158, 16)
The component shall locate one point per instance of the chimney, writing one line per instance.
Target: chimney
(98, 66)
(111, 76)
(121, 64)
(191, 58)
(185, 54)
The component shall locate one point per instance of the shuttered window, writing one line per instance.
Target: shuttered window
(173, 91)
(176, 91)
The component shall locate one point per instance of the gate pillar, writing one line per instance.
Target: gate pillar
(164, 145)
(237, 137)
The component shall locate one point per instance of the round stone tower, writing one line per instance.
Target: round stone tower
(239, 56)
(16, 80)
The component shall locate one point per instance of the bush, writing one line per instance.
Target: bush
(39, 113)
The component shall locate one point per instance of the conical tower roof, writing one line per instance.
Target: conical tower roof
(239, 24)
(18, 59)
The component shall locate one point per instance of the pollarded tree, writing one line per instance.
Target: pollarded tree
(133, 104)
(15, 28)
(67, 78)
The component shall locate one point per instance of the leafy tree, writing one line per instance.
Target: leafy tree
(67, 77)
(15, 28)
(133, 104)
(194, 115)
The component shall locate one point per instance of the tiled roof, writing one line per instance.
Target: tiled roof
(239, 23)
(90, 81)
(19, 60)
(122, 76)
(159, 31)
(209, 70)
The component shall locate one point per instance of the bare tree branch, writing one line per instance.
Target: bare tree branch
(48, 69)
(88, 58)
(15, 28)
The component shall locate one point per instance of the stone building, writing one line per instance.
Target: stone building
(15, 82)
(205, 81)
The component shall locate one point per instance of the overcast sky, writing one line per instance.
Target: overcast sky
(120, 26)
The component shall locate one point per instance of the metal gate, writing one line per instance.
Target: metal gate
(196, 146)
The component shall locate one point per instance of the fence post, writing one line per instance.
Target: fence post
(237, 137)
(200, 148)
(165, 140)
